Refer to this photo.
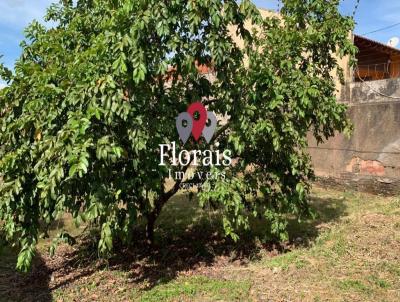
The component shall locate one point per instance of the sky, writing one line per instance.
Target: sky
(15, 15)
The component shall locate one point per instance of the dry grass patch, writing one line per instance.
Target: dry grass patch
(351, 252)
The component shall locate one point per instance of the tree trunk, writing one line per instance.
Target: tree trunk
(151, 219)
(158, 205)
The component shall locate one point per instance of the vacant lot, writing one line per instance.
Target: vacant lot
(351, 252)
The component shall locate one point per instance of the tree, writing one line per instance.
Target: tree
(92, 98)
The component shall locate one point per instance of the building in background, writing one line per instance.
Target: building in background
(370, 159)
(375, 61)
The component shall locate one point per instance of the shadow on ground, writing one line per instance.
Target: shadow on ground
(188, 239)
(326, 210)
(33, 286)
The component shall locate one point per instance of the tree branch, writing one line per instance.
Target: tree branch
(160, 202)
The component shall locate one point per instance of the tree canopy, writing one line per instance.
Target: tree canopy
(92, 98)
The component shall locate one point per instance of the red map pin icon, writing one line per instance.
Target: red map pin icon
(198, 125)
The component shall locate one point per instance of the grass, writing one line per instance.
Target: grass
(354, 257)
(350, 285)
(349, 253)
(285, 261)
(379, 282)
(198, 288)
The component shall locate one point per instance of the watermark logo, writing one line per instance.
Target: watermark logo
(196, 121)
